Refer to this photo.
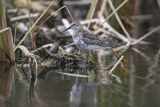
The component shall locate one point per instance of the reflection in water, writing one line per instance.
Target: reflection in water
(139, 89)
(75, 95)
(83, 94)
(6, 82)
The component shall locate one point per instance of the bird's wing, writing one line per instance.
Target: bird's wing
(91, 39)
(88, 34)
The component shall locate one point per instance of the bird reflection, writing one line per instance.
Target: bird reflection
(83, 94)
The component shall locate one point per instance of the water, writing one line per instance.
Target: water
(140, 88)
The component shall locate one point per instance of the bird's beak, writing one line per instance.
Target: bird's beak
(67, 28)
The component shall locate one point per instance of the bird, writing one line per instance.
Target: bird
(86, 40)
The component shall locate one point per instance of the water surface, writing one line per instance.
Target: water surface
(140, 88)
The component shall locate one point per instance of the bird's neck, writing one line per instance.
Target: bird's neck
(76, 32)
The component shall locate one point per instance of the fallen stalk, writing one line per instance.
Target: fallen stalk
(73, 75)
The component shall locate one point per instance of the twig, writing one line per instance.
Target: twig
(67, 11)
(146, 35)
(122, 63)
(142, 18)
(22, 17)
(71, 44)
(42, 47)
(4, 30)
(81, 2)
(25, 51)
(10, 11)
(91, 10)
(55, 13)
(102, 8)
(114, 11)
(111, 29)
(37, 21)
(25, 36)
(120, 6)
(124, 47)
(142, 54)
(119, 20)
(114, 67)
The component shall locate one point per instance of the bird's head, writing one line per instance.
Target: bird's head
(75, 25)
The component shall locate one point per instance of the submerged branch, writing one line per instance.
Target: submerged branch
(114, 67)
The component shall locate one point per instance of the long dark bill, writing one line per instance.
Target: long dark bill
(67, 28)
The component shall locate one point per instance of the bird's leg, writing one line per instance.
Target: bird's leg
(85, 55)
(79, 51)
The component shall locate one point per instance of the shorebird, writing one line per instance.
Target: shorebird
(86, 40)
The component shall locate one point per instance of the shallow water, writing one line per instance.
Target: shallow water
(140, 88)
